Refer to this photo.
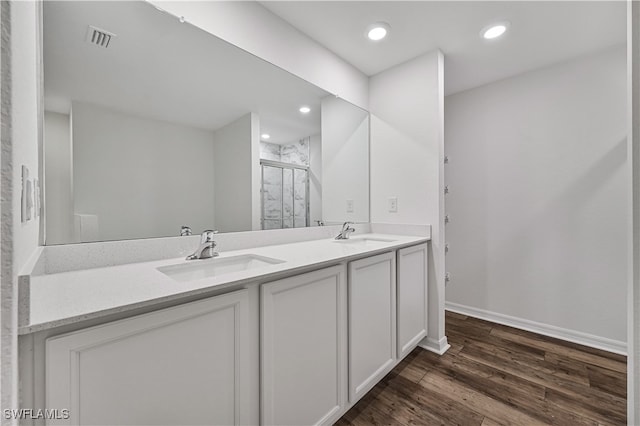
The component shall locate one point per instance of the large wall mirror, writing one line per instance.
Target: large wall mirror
(151, 124)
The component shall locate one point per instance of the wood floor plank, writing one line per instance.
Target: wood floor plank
(395, 409)
(477, 401)
(566, 365)
(497, 375)
(533, 370)
(411, 368)
(434, 404)
(342, 422)
(407, 411)
(489, 422)
(455, 348)
(525, 396)
(564, 343)
(368, 399)
(597, 412)
(581, 393)
(372, 415)
(608, 381)
(470, 328)
(523, 351)
(568, 352)
(454, 315)
(495, 381)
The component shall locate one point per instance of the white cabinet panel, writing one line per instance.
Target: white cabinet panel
(412, 297)
(183, 365)
(372, 322)
(303, 348)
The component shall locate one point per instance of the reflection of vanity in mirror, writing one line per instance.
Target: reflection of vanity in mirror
(144, 134)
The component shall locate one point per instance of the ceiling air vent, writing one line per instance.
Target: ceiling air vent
(98, 37)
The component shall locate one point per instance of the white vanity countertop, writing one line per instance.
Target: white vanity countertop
(71, 297)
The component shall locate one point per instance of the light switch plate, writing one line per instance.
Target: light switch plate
(393, 204)
(27, 196)
(36, 198)
(349, 206)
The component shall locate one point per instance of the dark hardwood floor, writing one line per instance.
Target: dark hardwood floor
(497, 375)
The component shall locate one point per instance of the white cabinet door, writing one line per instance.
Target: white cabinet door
(372, 322)
(412, 297)
(303, 348)
(182, 365)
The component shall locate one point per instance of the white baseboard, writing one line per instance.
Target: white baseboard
(436, 346)
(579, 337)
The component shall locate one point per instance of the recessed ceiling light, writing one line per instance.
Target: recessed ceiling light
(495, 30)
(305, 109)
(265, 136)
(378, 31)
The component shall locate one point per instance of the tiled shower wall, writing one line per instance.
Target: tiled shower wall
(270, 151)
(294, 153)
(285, 184)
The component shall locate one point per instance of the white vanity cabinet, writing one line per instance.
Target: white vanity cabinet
(304, 348)
(183, 365)
(372, 322)
(300, 350)
(412, 297)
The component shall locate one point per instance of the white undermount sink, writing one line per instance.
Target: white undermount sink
(199, 269)
(363, 241)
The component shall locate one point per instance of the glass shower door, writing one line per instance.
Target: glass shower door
(285, 199)
(271, 197)
(300, 211)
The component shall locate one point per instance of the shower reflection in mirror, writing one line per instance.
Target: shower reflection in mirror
(286, 171)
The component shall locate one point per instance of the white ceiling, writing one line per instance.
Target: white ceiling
(541, 33)
(159, 68)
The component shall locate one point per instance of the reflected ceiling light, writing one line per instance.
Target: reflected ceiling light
(305, 109)
(265, 136)
(378, 31)
(495, 30)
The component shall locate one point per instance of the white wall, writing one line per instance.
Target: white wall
(633, 151)
(19, 147)
(255, 29)
(345, 161)
(25, 120)
(141, 177)
(234, 165)
(406, 104)
(315, 179)
(538, 200)
(58, 177)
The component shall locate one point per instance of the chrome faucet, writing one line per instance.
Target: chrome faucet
(185, 231)
(346, 231)
(207, 247)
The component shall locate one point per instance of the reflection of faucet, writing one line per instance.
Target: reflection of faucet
(206, 250)
(346, 230)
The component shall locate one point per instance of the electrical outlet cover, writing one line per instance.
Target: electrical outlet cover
(349, 206)
(393, 204)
